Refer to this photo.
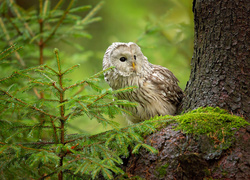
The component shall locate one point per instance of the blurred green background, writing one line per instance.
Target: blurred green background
(163, 29)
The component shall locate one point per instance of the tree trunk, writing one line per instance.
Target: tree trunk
(220, 74)
(219, 77)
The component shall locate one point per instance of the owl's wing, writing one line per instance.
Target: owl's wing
(166, 83)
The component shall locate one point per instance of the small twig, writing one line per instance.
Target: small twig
(51, 69)
(80, 90)
(56, 6)
(38, 143)
(33, 148)
(54, 128)
(36, 93)
(14, 25)
(41, 43)
(70, 69)
(82, 106)
(7, 36)
(7, 54)
(46, 176)
(60, 21)
(92, 13)
(54, 85)
(27, 105)
(33, 127)
(74, 85)
(26, 25)
(100, 97)
(51, 100)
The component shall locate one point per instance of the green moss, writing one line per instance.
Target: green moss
(162, 170)
(216, 123)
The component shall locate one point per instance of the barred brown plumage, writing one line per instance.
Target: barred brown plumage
(158, 92)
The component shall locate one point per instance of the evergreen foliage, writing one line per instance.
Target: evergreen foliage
(37, 103)
(38, 100)
(34, 130)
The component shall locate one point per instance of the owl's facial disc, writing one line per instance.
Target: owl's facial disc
(127, 59)
(130, 61)
(123, 59)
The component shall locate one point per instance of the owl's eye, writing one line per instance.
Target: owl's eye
(135, 57)
(122, 59)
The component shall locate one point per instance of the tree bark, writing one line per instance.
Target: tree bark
(220, 74)
(183, 157)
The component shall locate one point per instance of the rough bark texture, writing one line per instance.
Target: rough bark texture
(220, 74)
(189, 158)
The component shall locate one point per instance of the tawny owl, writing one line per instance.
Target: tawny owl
(157, 91)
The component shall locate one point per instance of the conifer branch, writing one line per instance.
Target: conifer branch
(26, 25)
(92, 13)
(59, 22)
(47, 175)
(59, 90)
(37, 143)
(56, 6)
(156, 123)
(80, 90)
(36, 93)
(70, 69)
(7, 36)
(54, 130)
(7, 54)
(98, 98)
(61, 110)
(51, 69)
(14, 25)
(83, 107)
(86, 81)
(74, 85)
(28, 148)
(51, 100)
(27, 105)
(41, 43)
(45, 7)
(20, 72)
(25, 126)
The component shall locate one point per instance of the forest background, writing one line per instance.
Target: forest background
(164, 31)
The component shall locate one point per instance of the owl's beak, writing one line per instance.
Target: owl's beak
(133, 65)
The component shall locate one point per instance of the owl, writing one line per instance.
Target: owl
(157, 91)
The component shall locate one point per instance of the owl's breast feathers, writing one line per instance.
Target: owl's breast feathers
(158, 92)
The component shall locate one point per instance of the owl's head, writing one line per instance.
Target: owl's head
(127, 58)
